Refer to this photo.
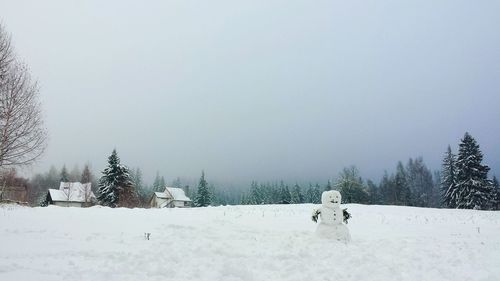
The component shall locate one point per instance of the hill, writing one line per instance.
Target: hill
(274, 242)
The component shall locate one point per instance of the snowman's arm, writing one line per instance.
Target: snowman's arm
(346, 214)
(315, 215)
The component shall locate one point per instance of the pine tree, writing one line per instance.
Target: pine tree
(496, 193)
(274, 193)
(256, 196)
(420, 183)
(115, 182)
(158, 185)
(285, 196)
(163, 183)
(437, 200)
(448, 180)
(402, 193)
(350, 185)
(373, 192)
(309, 194)
(328, 186)
(203, 194)
(474, 188)
(142, 190)
(74, 174)
(296, 196)
(495, 183)
(86, 175)
(386, 189)
(316, 194)
(177, 183)
(267, 193)
(64, 177)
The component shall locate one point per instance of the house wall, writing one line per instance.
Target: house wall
(179, 204)
(68, 204)
(157, 202)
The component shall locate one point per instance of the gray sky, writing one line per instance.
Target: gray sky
(261, 89)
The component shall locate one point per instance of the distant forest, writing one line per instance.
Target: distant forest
(462, 182)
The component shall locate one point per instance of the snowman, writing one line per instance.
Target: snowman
(332, 217)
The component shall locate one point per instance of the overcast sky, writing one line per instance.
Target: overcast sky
(261, 89)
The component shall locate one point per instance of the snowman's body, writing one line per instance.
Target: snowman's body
(331, 215)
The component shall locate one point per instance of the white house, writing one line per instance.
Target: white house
(72, 194)
(170, 198)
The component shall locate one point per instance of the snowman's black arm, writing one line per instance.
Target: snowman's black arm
(316, 215)
(346, 214)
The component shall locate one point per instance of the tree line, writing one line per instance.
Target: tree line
(462, 182)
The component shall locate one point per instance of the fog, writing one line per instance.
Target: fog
(261, 89)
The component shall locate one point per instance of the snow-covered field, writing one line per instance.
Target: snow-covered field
(274, 242)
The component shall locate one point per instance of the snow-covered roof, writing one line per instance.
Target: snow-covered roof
(72, 192)
(162, 195)
(177, 193)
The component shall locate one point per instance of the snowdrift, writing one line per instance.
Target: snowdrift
(274, 242)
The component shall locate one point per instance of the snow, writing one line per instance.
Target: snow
(273, 242)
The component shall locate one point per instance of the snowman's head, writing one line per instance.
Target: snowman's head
(331, 199)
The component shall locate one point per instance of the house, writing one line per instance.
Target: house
(72, 194)
(170, 198)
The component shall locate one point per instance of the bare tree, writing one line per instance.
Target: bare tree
(88, 195)
(22, 134)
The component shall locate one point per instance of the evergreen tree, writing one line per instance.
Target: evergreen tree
(421, 183)
(309, 194)
(350, 185)
(203, 194)
(474, 188)
(275, 193)
(158, 183)
(329, 186)
(114, 182)
(256, 196)
(496, 193)
(64, 177)
(402, 193)
(373, 192)
(86, 175)
(267, 193)
(386, 189)
(495, 183)
(448, 180)
(163, 183)
(296, 196)
(285, 196)
(143, 191)
(317, 194)
(437, 200)
(177, 183)
(75, 174)
(214, 195)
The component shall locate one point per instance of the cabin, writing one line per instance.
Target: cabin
(72, 194)
(172, 197)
